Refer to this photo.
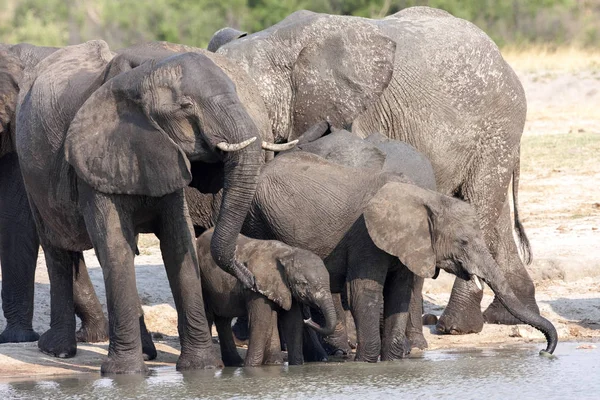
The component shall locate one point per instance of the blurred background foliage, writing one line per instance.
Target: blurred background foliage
(124, 22)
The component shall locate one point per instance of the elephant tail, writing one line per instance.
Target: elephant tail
(523, 241)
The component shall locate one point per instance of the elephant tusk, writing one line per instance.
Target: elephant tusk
(224, 146)
(279, 147)
(477, 282)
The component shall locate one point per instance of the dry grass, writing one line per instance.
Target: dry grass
(550, 58)
(147, 243)
(575, 153)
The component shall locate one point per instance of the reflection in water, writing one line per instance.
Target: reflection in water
(492, 373)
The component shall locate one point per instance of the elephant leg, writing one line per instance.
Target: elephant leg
(337, 342)
(113, 237)
(94, 326)
(414, 327)
(486, 190)
(229, 353)
(60, 340)
(312, 348)
(292, 328)
(19, 245)
(507, 256)
(148, 348)
(365, 297)
(178, 248)
(240, 328)
(367, 270)
(396, 299)
(260, 311)
(273, 354)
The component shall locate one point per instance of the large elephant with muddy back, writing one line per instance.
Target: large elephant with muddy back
(106, 145)
(449, 93)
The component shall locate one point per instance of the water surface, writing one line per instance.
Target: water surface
(466, 374)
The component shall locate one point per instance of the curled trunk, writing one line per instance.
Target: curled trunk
(506, 296)
(325, 303)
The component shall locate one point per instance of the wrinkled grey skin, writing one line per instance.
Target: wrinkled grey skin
(365, 225)
(379, 153)
(20, 237)
(450, 95)
(289, 277)
(19, 241)
(103, 161)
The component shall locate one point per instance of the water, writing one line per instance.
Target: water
(467, 374)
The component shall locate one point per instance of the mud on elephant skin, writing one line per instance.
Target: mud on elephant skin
(345, 216)
(288, 277)
(115, 159)
(469, 128)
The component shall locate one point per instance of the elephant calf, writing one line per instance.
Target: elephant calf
(288, 277)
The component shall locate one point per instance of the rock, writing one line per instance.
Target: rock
(161, 318)
(586, 347)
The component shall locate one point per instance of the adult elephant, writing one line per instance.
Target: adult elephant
(451, 95)
(19, 241)
(104, 159)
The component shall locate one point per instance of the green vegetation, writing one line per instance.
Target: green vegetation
(123, 22)
(575, 153)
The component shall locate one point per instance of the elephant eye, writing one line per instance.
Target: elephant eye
(186, 103)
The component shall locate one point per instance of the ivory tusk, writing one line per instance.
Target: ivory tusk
(279, 147)
(477, 282)
(224, 146)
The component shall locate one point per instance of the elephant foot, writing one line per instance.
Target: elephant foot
(148, 348)
(93, 332)
(57, 344)
(233, 361)
(416, 340)
(18, 335)
(460, 323)
(203, 360)
(429, 319)
(397, 350)
(274, 359)
(496, 313)
(133, 365)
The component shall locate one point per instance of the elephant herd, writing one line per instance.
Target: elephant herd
(325, 163)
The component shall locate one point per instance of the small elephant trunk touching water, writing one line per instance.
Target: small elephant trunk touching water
(324, 302)
(496, 281)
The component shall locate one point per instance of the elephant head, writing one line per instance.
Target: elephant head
(300, 275)
(312, 67)
(142, 131)
(427, 230)
(11, 70)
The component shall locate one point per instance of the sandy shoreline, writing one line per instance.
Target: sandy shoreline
(563, 227)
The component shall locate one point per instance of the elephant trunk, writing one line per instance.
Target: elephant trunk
(497, 282)
(241, 170)
(324, 302)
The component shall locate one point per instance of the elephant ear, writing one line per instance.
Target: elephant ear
(222, 37)
(271, 282)
(398, 222)
(338, 76)
(11, 71)
(116, 148)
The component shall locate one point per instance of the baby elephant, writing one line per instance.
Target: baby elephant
(289, 278)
